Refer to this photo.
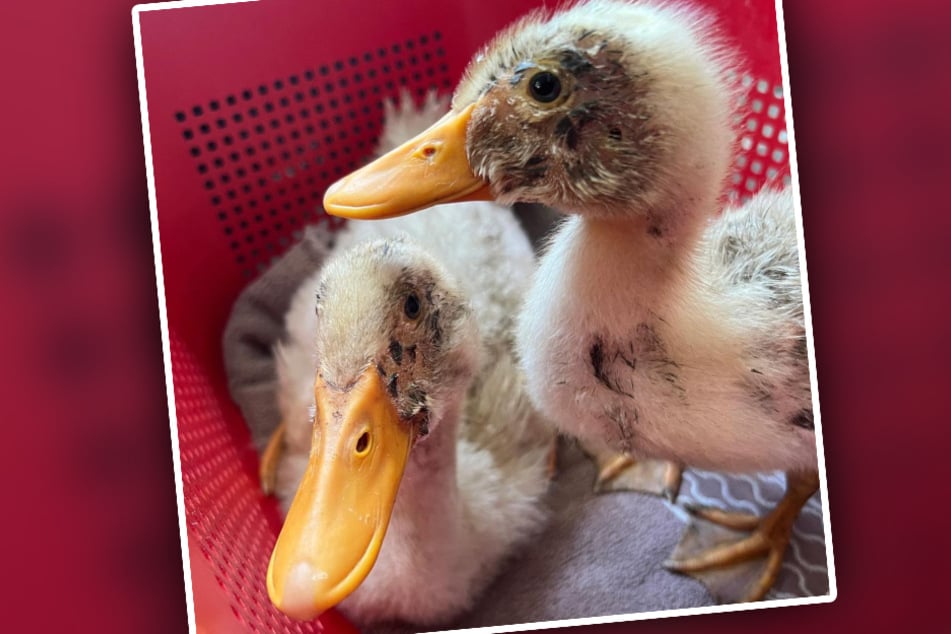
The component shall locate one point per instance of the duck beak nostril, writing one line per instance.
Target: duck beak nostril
(363, 443)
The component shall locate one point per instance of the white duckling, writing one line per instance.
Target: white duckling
(417, 460)
(653, 326)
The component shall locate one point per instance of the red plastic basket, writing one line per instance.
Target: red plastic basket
(254, 108)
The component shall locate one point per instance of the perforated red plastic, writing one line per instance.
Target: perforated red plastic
(254, 109)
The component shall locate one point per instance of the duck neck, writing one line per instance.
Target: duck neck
(635, 245)
(429, 495)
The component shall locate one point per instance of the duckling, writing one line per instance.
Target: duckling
(409, 455)
(654, 326)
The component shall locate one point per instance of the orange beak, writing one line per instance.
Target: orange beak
(429, 169)
(336, 523)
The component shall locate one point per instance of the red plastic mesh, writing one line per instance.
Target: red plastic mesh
(254, 109)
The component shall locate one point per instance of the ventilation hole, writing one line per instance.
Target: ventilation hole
(179, 116)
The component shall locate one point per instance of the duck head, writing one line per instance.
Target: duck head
(395, 344)
(606, 109)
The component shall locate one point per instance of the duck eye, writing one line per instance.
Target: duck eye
(545, 86)
(411, 306)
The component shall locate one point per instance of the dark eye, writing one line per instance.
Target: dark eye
(411, 306)
(545, 87)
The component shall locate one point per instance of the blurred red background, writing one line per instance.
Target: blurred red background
(92, 533)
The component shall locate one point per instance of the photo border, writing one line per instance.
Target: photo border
(137, 10)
